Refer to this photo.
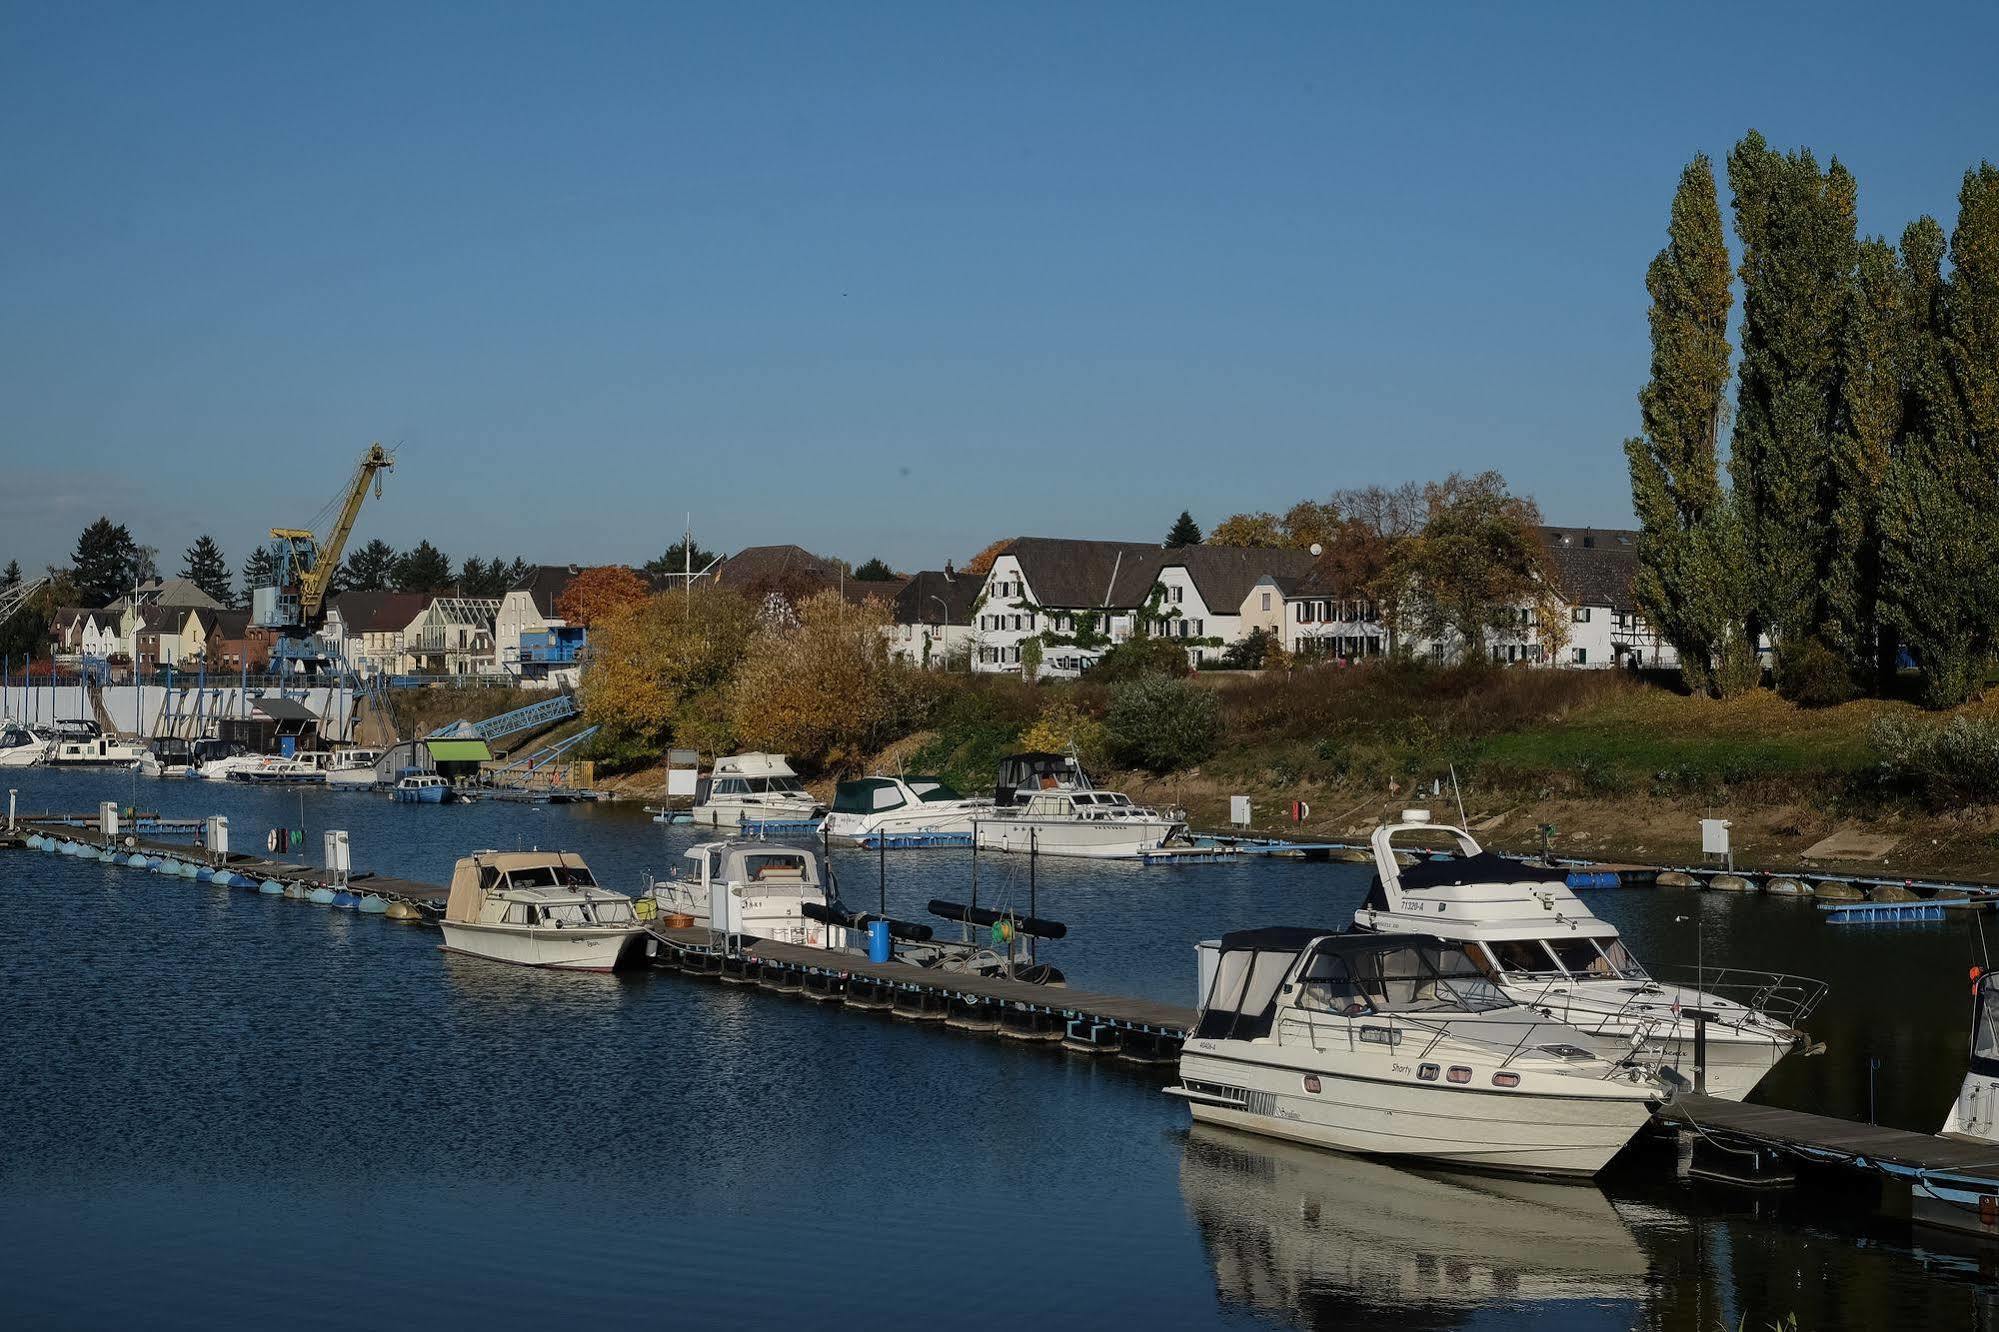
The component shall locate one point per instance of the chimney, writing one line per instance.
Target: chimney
(949, 575)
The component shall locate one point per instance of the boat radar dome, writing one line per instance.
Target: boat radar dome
(1415, 816)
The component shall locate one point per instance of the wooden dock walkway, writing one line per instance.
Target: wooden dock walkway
(1832, 1141)
(1142, 1030)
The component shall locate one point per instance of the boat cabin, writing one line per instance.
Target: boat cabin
(766, 867)
(1021, 775)
(1985, 1027)
(1248, 976)
(544, 889)
(749, 775)
(878, 795)
(1074, 805)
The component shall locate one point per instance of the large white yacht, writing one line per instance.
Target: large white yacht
(102, 751)
(757, 788)
(1545, 949)
(539, 909)
(1095, 824)
(1397, 1045)
(20, 747)
(900, 806)
(760, 888)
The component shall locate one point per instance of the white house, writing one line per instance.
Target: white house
(933, 618)
(535, 643)
(369, 630)
(455, 636)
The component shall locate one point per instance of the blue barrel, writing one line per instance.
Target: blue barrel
(879, 947)
(1580, 880)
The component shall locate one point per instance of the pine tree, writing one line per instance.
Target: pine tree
(680, 558)
(1186, 532)
(1796, 226)
(12, 577)
(260, 570)
(370, 568)
(425, 569)
(472, 577)
(105, 562)
(874, 571)
(1937, 547)
(206, 569)
(1688, 591)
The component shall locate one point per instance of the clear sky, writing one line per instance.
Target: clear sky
(887, 279)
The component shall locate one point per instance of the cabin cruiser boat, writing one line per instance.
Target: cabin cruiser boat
(900, 806)
(104, 751)
(1543, 948)
(420, 788)
(1096, 824)
(1397, 1045)
(1975, 1114)
(1022, 775)
(221, 767)
(754, 788)
(277, 770)
(758, 888)
(353, 768)
(20, 747)
(539, 909)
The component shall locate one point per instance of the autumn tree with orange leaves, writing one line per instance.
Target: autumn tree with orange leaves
(595, 594)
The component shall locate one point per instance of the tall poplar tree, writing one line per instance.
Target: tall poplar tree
(1687, 584)
(1796, 226)
(1873, 367)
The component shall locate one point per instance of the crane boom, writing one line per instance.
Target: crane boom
(313, 582)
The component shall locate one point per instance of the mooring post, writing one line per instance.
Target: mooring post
(1700, 1051)
(1873, 1063)
(965, 926)
(1033, 855)
(11, 793)
(883, 845)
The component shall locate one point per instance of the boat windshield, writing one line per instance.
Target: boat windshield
(1408, 979)
(1985, 1029)
(1566, 956)
(930, 790)
(869, 795)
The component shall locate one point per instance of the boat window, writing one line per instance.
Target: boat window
(1580, 959)
(1326, 985)
(518, 913)
(1985, 1032)
(575, 876)
(1242, 1001)
(1522, 956)
(1387, 1036)
(773, 868)
(1424, 979)
(564, 913)
(1620, 959)
(930, 790)
(787, 785)
(714, 866)
(532, 876)
(614, 912)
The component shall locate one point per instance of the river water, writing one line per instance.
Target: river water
(224, 1109)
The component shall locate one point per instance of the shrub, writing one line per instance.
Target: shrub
(1163, 724)
(1812, 675)
(1064, 725)
(1138, 657)
(1249, 654)
(1953, 764)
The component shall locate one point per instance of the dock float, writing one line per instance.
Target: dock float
(1952, 1182)
(910, 840)
(1139, 1030)
(778, 827)
(1881, 913)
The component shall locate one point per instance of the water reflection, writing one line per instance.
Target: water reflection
(1341, 1241)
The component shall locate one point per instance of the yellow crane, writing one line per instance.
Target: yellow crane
(307, 563)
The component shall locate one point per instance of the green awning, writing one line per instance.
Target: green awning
(459, 751)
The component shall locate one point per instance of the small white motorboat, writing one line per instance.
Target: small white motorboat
(1397, 1045)
(539, 909)
(900, 806)
(753, 788)
(353, 768)
(104, 751)
(759, 888)
(20, 747)
(1091, 824)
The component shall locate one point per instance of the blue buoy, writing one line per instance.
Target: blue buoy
(138, 862)
(345, 901)
(189, 870)
(323, 896)
(372, 905)
(270, 888)
(204, 874)
(50, 846)
(34, 841)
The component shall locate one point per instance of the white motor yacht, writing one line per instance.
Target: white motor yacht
(539, 909)
(222, 767)
(20, 747)
(353, 768)
(752, 788)
(1398, 1046)
(758, 888)
(278, 770)
(104, 751)
(1095, 824)
(1545, 949)
(1975, 1113)
(900, 806)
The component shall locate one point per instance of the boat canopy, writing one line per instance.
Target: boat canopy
(1985, 1027)
(490, 871)
(1344, 974)
(868, 795)
(766, 866)
(1024, 774)
(932, 790)
(1239, 996)
(1485, 867)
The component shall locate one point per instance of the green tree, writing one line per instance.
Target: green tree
(874, 571)
(681, 557)
(206, 569)
(1478, 558)
(370, 568)
(1690, 598)
(260, 570)
(1186, 532)
(1163, 724)
(105, 562)
(13, 575)
(423, 569)
(472, 577)
(1796, 227)
(1258, 530)
(1030, 659)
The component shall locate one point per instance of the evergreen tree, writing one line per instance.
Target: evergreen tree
(206, 569)
(472, 577)
(1186, 532)
(681, 557)
(1688, 591)
(12, 577)
(105, 562)
(1796, 226)
(370, 568)
(518, 570)
(874, 571)
(260, 570)
(1873, 366)
(425, 569)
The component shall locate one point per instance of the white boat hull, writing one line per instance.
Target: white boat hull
(1545, 1134)
(1107, 839)
(900, 823)
(21, 756)
(734, 814)
(575, 948)
(1738, 1057)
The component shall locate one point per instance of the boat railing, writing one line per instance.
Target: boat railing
(1440, 1029)
(1788, 999)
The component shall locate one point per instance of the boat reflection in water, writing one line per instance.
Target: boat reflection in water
(1343, 1241)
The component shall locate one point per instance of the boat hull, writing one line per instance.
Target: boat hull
(568, 949)
(853, 828)
(734, 814)
(1538, 1134)
(1738, 1057)
(1083, 838)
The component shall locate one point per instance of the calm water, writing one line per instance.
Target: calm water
(218, 1108)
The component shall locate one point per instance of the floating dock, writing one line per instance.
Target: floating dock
(1141, 1030)
(1884, 913)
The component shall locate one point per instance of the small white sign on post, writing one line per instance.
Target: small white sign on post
(1239, 811)
(1714, 837)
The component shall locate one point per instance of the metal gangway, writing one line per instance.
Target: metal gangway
(545, 713)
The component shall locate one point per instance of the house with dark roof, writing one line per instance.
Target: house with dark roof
(371, 631)
(535, 642)
(933, 617)
(1594, 569)
(235, 643)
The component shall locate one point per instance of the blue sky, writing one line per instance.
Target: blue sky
(878, 279)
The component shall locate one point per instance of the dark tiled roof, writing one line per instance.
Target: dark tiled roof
(758, 566)
(918, 601)
(379, 612)
(232, 624)
(858, 590)
(544, 583)
(1223, 575)
(1065, 572)
(1593, 566)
